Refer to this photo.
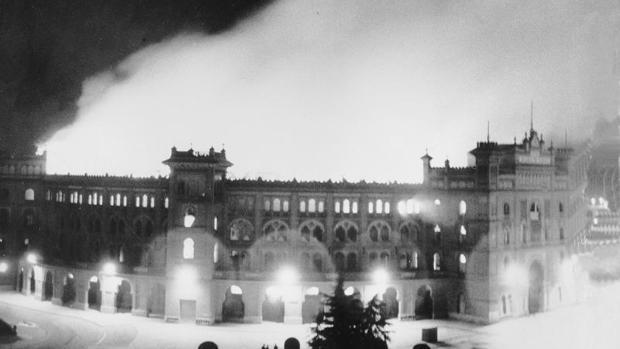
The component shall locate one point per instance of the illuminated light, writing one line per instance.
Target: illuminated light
(187, 280)
(109, 268)
(349, 291)
(462, 259)
(592, 201)
(234, 289)
(31, 258)
(595, 220)
(463, 230)
(437, 202)
(188, 248)
(402, 208)
(380, 276)
(287, 275)
(188, 220)
(69, 276)
(437, 229)
(94, 279)
(312, 291)
(410, 206)
(416, 207)
(4, 266)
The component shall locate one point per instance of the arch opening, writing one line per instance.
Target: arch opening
(311, 306)
(233, 308)
(94, 293)
(124, 301)
(536, 288)
(68, 290)
(424, 303)
(48, 286)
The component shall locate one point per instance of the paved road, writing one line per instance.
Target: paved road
(42, 325)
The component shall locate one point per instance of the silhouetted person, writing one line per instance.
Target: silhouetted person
(291, 343)
(421, 346)
(207, 345)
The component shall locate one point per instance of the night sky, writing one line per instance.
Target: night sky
(354, 89)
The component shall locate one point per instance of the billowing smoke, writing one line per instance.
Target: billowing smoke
(349, 88)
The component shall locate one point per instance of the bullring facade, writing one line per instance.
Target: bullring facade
(483, 242)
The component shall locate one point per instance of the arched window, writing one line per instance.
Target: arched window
(317, 261)
(241, 229)
(409, 232)
(506, 209)
(386, 207)
(534, 211)
(152, 201)
(302, 206)
(311, 205)
(346, 206)
(276, 205)
(188, 249)
(354, 207)
(346, 230)
(145, 200)
(339, 261)
(462, 230)
(436, 262)
(321, 206)
(414, 260)
(462, 263)
(337, 206)
(385, 259)
(379, 206)
(189, 218)
(401, 207)
(379, 230)
(313, 229)
(462, 208)
(29, 194)
(285, 206)
(275, 230)
(371, 207)
(351, 262)
(267, 205)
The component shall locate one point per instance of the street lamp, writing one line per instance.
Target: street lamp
(380, 276)
(31, 258)
(109, 268)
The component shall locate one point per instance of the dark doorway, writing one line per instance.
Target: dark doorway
(48, 287)
(536, 289)
(33, 282)
(311, 306)
(94, 293)
(20, 281)
(157, 300)
(124, 301)
(187, 310)
(424, 303)
(391, 303)
(68, 290)
(273, 307)
(233, 309)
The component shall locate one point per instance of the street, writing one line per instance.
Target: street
(592, 324)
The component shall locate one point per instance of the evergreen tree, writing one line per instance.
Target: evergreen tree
(345, 323)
